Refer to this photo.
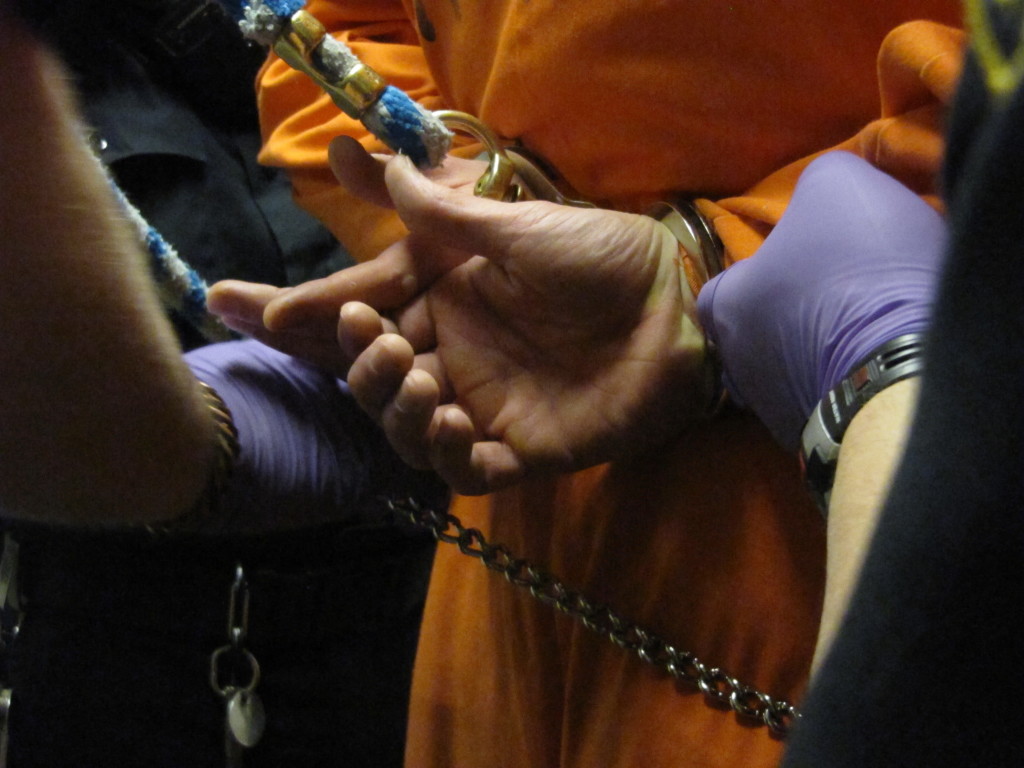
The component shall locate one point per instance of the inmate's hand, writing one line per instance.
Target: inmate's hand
(852, 264)
(303, 320)
(563, 338)
(537, 336)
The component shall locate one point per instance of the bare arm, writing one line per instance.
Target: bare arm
(100, 421)
(870, 453)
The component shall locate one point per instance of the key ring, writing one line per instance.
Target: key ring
(355, 88)
(507, 171)
(498, 181)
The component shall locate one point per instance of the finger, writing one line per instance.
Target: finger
(415, 322)
(359, 172)
(377, 374)
(431, 364)
(398, 274)
(406, 419)
(323, 353)
(457, 173)
(384, 282)
(713, 312)
(706, 306)
(358, 326)
(468, 223)
(238, 302)
(241, 306)
(362, 173)
(470, 467)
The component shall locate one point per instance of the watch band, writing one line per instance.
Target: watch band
(893, 361)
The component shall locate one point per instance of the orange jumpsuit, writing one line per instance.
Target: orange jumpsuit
(710, 542)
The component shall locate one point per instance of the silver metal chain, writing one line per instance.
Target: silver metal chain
(720, 689)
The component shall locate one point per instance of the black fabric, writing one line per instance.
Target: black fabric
(177, 126)
(190, 48)
(111, 665)
(926, 669)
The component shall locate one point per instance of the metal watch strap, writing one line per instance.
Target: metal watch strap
(893, 361)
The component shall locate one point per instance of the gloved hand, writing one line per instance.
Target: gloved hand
(852, 264)
(308, 453)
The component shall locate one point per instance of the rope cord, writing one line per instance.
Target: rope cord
(181, 289)
(394, 118)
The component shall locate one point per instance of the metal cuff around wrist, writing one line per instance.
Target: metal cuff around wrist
(700, 249)
(700, 259)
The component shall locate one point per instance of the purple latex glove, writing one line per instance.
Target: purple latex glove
(308, 453)
(852, 264)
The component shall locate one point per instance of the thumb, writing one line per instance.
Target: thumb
(359, 172)
(458, 219)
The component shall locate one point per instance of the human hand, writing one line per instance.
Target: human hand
(852, 264)
(303, 320)
(308, 453)
(538, 336)
(562, 338)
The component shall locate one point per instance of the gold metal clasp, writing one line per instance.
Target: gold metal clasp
(498, 181)
(510, 176)
(355, 88)
(354, 92)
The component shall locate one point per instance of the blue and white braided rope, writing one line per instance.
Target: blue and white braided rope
(398, 121)
(180, 288)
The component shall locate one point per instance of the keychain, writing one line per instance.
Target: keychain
(244, 716)
(10, 623)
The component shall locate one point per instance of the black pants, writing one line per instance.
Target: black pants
(111, 665)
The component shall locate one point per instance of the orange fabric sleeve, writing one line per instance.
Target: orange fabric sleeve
(299, 121)
(918, 67)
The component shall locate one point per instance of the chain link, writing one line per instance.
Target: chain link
(720, 689)
(235, 649)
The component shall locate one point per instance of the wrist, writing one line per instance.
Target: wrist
(201, 514)
(891, 362)
(698, 257)
(869, 457)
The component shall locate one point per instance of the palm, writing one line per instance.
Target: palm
(558, 337)
(574, 342)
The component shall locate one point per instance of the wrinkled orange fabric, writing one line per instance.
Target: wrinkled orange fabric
(711, 542)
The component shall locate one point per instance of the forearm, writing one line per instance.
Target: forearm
(101, 421)
(870, 453)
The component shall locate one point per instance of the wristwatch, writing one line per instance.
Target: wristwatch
(893, 361)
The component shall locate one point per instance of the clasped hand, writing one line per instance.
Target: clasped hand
(497, 340)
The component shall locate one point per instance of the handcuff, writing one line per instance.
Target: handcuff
(512, 174)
